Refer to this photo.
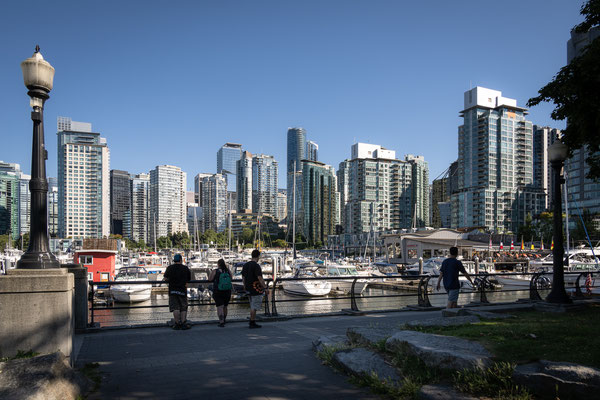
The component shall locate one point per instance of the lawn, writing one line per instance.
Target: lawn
(572, 337)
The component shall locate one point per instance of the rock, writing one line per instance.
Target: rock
(368, 336)
(454, 312)
(441, 321)
(362, 362)
(329, 341)
(489, 315)
(44, 377)
(442, 392)
(439, 351)
(548, 379)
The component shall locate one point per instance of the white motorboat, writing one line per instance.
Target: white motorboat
(344, 285)
(131, 293)
(431, 266)
(301, 287)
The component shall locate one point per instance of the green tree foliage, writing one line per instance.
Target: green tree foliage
(527, 231)
(179, 240)
(575, 94)
(164, 242)
(280, 243)
(247, 235)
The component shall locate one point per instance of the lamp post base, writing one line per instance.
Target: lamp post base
(38, 260)
(559, 296)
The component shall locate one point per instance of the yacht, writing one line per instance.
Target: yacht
(131, 293)
(344, 285)
(298, 286)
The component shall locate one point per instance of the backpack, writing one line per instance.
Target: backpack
(224, 282)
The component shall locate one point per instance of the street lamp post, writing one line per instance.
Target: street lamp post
(557, 154)
(38, 76)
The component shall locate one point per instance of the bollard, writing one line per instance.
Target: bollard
(420, 265)
(476, 259)
(80, 295)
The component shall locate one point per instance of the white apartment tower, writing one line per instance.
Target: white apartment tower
(140, 208)
(214, 202)
(83, 181)
(168, 212)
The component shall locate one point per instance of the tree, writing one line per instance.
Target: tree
(164, 242)
(280, 243)
(588, 220)
(247, 235)
(526, 232)
(574, 92)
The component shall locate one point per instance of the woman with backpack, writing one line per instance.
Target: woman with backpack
(221, 279)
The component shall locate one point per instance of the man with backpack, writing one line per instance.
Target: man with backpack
(254, 285)
(221, 279)
(178, 275)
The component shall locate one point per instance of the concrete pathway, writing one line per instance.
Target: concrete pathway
(274, 362)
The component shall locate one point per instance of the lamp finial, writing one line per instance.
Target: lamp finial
(37, 48)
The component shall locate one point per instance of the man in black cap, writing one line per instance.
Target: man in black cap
(178, 275)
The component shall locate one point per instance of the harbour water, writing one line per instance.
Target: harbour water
(287, 305)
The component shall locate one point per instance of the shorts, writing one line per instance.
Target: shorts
(222, 297)
(256, 301)
(177, 303)
(453, 295)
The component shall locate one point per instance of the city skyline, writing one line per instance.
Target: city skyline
(364, 77)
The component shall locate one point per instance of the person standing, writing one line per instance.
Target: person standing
(221, 278)
(254, 285)
(178, 275)
(449, 274)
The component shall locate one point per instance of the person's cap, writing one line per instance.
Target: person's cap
(177, 258)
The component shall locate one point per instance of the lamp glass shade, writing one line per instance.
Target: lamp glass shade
(558, 151)
(37, 72)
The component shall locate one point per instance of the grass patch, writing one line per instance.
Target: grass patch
(90, 370)
(20, 355)
(326, 354)
(495, 382)
(379, 345)
(569, 337)
(407, 389)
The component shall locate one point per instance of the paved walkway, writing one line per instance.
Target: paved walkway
(274, 362)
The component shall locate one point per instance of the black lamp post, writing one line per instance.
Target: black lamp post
(557, 154)
(38, 75)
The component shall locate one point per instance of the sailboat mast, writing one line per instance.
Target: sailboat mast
(294, 212)
(229, 223)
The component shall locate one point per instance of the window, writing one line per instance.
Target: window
(86, 260)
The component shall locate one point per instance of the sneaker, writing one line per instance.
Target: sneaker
(186, 325)
(221, 325)
(176, 327)
(254, 325)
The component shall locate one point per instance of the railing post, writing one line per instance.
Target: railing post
(420, 265)
(92, 307)
(423, 296)
(353, 304)
(533, 292)
(578, 292)
(476, 265)
(482, 295)
(267, 311)
(273, 301)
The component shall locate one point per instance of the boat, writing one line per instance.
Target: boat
(131, 293)
(302, 287)
(344, 285)
(431, 266)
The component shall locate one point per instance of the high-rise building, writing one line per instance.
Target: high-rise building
(194, 221)
(318, 206)
(214, 202)
(543, 137)
(198, 187)
(244, 183)
(281, 205)
(120, 199)
(140, 224)
(53, 207)
(583, 193)
(168, 210)
(24, 203)
(495, 164)
(312, 151)
(227, 158)
(439, 194)
(10, 174)
(264, 184)
(296, 152)
(83, 182)
(380, 192)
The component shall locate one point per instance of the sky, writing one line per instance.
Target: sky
(171, 82)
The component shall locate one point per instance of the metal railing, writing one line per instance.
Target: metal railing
(421, 290)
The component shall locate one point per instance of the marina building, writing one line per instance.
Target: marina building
(264, 184)
(120, 200)
(244, 182)
(167, 201)
(496, 188)
(83, 181)
(139, 212)
(214, 202)
(227, 158)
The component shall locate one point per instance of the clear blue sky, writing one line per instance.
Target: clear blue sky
(170, 82)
